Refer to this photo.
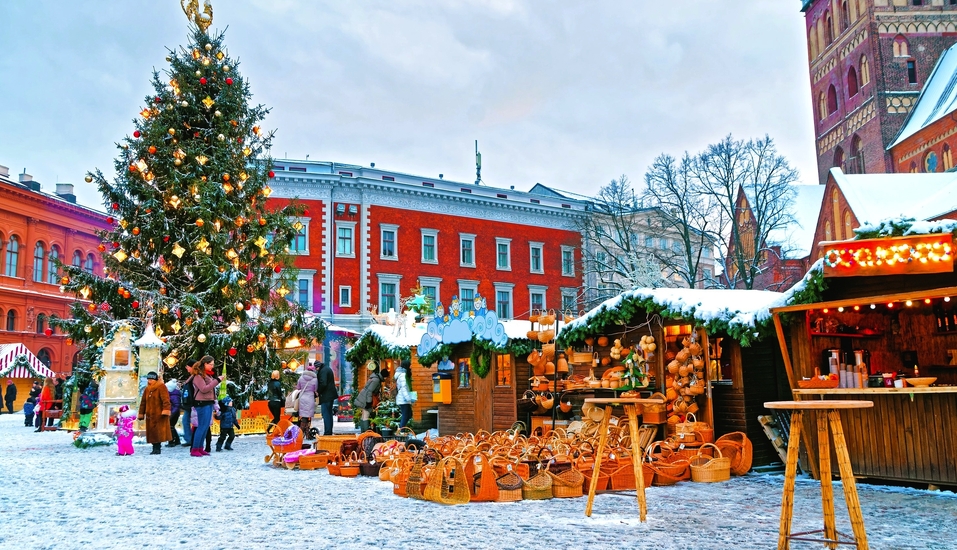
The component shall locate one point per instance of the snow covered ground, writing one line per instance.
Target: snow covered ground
(53, 495)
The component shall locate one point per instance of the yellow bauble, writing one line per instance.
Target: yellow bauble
(201, 338)
(88, 179)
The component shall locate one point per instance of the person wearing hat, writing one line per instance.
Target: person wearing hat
(277, 400)
(228, 422)
(154, 409)
(307, 385)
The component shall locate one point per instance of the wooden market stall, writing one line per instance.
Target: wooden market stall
(733, 363)
(19, 365)
(884, 312)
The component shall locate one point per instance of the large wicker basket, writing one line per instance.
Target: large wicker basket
(706, 469)
(331, 443)
(737, 447)
(314, 461)
(509, 487)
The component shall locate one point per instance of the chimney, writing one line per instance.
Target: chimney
(65, 192)
(27, 180)
(4, 171)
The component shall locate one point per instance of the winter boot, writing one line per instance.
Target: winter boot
(219, 448)
(196, 452)
(157, 448)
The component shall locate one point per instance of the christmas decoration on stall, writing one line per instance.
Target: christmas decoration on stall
(182, 250)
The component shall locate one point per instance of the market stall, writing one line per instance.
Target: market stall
(709, 352)
(884, 329)
(19, 365)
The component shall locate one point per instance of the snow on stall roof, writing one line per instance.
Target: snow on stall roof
(938, 98)
(386, 334)
(735, 307)
(882, 196)
(786, 298)
(884, 227)
(517, 329)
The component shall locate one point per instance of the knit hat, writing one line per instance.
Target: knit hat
(151, 375)
(311, 366)
(171, 385)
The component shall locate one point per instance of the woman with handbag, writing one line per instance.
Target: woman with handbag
(366, 398)
(204, 381)
(404, 397)
(307, 385)
(276, 399)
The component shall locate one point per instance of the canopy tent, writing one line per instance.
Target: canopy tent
(16, 361)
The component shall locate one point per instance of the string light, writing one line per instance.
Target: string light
(873, 306)
(868, 255)
(908, 303)
(840, 309)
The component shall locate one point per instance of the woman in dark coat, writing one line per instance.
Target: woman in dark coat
(327, 394)
(155, 408)
(276, 399)
(365, 399)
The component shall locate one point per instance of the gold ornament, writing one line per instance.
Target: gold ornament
(221, 137)
(209, 47)
(287, 326)
(231, 254)
(174, 202)
(218, 114)
(199, 73)
(178, 250)
(267, 191)
(250, 348)
(179, 154)
(247, 151)
(217, 225)
(208, 102)
(141, 165)
(199, 222)
(202, 160)
(225, 68)
(169, 59)
(87, 329)
(239, 306)
(220, 55)
(89, 179)
(177, 162)
(243, 176)
(196, 53)
(124, 224)
(184, 104)
(164, 310)
(176, 326)
(261, 337)
(172, 131)
(120, 255)
(227, 187)
(175, 86)
(145, 113)
(240, 221)
(202, 245)
(206, 61)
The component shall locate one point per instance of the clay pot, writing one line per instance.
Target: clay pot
(602, 341)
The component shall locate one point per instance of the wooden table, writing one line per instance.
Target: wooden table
(831, 535)
(629, 405)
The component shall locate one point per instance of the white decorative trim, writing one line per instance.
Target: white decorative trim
(388, 278)
(505, 287)
(499, 241)
(340, 224)
(541, 258)
(328, 245)
(383, 227)
(466, 237)
(434, 233)
(339, 296)
(307, 275)
(572, 250)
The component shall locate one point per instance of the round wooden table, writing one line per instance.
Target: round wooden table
(830, 413)
(632, 413)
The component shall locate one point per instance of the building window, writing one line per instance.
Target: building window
(946, 155)
(466, 250)
(41, 323)
(44, 357)
(649, 241)
(430, 238)
(827, 231)
(432, 289)
(568, 261)
(302, 293)
(663, 243)
(706, 252)
(839, 158)
(388, 235)
(503, 300)
(569, 303)
(345, 239)
(88, 264)
(535, 260)
(676, 246)
(831, 100)
(38, 261)
(852, 82)
(503, 254)
(901, 48)
(912, 72)
(828, 28)
(53, 273)
(930, 162)
(845, 17)
(913, 167)
(847, 225)
(822, 106)
(13, 256)
(388, 292)
(77, 259)
(865, 71)
(857, 155)
(345, 296)
(503, 369)
(11, 320)
(536, 297)
(467, 292)
(707, 275)
(300, 242)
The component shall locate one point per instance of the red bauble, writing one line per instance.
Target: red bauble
(202, 80)
(110, 220)
(136, 133)
(152, 150)
(101, 248)
(157, 99)
(105, 306)
(116, 206)
(272, 174)
(195, 134)
(166, 238)
(305, 213)
(116, 244)
(232, 352)
(277, 269)
(249, 306)
(229, 81)
(135, 304)
(48, 331)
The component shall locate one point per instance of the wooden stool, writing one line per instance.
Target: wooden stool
(629, 404)
(832, 536)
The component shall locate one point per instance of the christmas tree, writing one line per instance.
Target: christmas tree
(194, 249)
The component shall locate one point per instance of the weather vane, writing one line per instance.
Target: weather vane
(202, 19)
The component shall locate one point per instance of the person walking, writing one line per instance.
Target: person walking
(327, 395)
(124, 431)
(186, 404)
(155, 410)
(10, 396)
(204, 381)
(89, 396)
(307, 386)
(367, 396)
(276, 399)
(404, 397)
(228, 423)
(57, 403)
(175, 401)
(45, 403)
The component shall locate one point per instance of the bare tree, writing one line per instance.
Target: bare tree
(752, 184)
(692, 216)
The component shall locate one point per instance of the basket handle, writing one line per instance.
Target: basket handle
(717, 450)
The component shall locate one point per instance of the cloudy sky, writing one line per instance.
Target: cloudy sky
(568, 93)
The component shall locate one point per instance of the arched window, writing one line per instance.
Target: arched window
(852, 82)
(822, 105)
(857, 155)
(831, 100)
(820, 35)
(947, 157)
(38, 260)
(865, 71)
(53, 273)
(847, 225)
(88, 265)
(828, 28)
(812, 41)
(12, 320)
(930, 162)
(836, 213)
(845, 17)
(77, 259)
(839, 158)
(13, 256)
(41, 323)
(44, 356)
(827, 231)
(901, 47)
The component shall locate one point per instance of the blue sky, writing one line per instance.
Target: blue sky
(569, 94)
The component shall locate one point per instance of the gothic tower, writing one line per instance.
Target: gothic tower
(868, 62)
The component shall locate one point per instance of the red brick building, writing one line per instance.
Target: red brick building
(35, 228)
(369, 236)
(868, 62)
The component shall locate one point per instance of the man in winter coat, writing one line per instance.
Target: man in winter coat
(11, 395)
(327, 395)
(175, 399)
(307, 386)
(155, 409)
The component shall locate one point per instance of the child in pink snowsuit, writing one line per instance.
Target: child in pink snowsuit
(124, 431)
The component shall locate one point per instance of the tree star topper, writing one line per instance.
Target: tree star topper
(202, 19)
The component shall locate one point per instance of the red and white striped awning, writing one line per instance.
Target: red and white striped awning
(30, 368)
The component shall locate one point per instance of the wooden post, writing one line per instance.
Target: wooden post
(602, 441)
(636, 461)
(827, 489)
(790, 473)
(847, 479)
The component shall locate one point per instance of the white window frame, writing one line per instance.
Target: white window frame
(462, 238)
(508, 252)
(538, 289)
(389, 278)
(467, 284)
(383, 227)
(434, 233)
(309, 276)
(305, 229)
(348, 289)
(571, 293)
(541, 258)
(437, 283)
(510, 289)
(570, 249)
(352, 227)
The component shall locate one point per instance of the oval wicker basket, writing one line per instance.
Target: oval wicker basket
(706, 469)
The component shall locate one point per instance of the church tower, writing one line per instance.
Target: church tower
(868, 61)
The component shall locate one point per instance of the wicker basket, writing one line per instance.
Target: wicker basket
(314, 461)
(705, 469)
(447, 483)
(509, 487)
(538, 487)
(817, 384)
(580, 357)
(623, 479)
(331, 443)
(736, 447)
(350, 466)
(478, 470)
(334, 465)
(567, 484)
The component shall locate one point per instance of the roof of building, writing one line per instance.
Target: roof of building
(874, 197)
(937, 100)
(797, 239)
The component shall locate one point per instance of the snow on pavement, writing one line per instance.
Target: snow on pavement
(53, 495)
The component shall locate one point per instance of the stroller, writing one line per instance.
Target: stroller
(285, 437)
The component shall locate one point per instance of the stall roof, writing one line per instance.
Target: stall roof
(386, 334)
(30, 368)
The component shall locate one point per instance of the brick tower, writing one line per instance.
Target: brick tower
(868, 61)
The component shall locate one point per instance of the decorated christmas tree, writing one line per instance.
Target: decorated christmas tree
(194, 249)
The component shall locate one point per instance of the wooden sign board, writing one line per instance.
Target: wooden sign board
(889, 256)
